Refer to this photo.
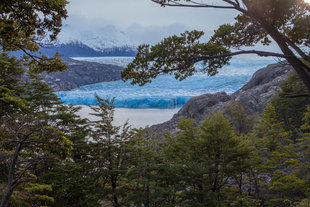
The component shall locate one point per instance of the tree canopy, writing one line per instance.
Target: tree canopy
(285, 22)
(27, 24)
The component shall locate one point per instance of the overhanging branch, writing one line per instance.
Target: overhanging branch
(297, 95)
(193, 5)
(33, 57)
(256, 52)
(210, 57)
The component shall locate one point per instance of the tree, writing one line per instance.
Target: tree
(31, 140)
(206, 159)
(286, 22)
(284, 158)
(151, 174)
(109, 153)
(10, 88)
(25, 24)
(236, 114)
(291, 109)
(73, 182)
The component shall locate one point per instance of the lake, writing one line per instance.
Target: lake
(136, 117)
(164, 91)
(156, 102)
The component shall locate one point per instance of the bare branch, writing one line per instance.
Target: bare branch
(297, 49)
(259, 53)
(193, 5)
(15, 183)
(297, 95)
(34, 57)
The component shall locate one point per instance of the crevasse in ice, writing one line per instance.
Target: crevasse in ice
(164, 91)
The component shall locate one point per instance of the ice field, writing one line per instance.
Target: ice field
(164, 91)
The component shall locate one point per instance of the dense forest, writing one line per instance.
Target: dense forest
(51, 157)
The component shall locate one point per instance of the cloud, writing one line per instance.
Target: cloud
(79, 28)
(153, 34)
(124, 13)
(141, 21)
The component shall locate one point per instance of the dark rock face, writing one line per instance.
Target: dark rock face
(196, 108)
(257, 93)
(254, 96)
(81, 73)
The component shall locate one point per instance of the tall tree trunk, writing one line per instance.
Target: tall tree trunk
(147, 199)
(302, 71)
(114, 184)
(6, 197)
(11, 182)
(283, 42)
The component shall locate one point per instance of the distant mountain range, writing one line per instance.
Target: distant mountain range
(81, 39)
(92, 42)
(79, 49)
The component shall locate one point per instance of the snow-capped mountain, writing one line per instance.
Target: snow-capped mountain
(91, 42)
(99, 39)
(79, 49)
(89, 39)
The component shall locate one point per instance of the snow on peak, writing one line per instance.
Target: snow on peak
(99, 39)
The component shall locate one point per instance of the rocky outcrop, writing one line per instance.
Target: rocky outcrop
(257, 93)
(254, 96)
(81, 73)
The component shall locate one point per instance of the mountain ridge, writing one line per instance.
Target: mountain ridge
(79, 49)
(80, 73)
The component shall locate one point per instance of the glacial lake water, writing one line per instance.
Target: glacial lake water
(164, 91)
(156, 102)
(136, 117)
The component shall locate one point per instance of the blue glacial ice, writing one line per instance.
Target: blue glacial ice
(164, 91)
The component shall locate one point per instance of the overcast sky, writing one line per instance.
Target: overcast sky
(124, 13)
(143, 19)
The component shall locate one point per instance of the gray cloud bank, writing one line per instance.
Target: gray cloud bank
(134, 22)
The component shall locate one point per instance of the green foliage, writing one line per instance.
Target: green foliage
(285, 22)
(24, 24)
(303, 203)
(109, 154)
(285, 156)
(280, 13)
(207, 158)
(237, 116)
(291, 109)
(73, 184)
(10, 89)
(30, 139)
(174, 55)
(273, 131)
(150, 173)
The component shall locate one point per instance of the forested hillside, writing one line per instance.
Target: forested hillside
(51, 157)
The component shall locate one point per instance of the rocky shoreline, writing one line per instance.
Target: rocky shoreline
(254, 96)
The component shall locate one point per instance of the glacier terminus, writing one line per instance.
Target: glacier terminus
(165, 91)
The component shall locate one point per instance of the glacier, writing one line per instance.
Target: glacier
(164, 91)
